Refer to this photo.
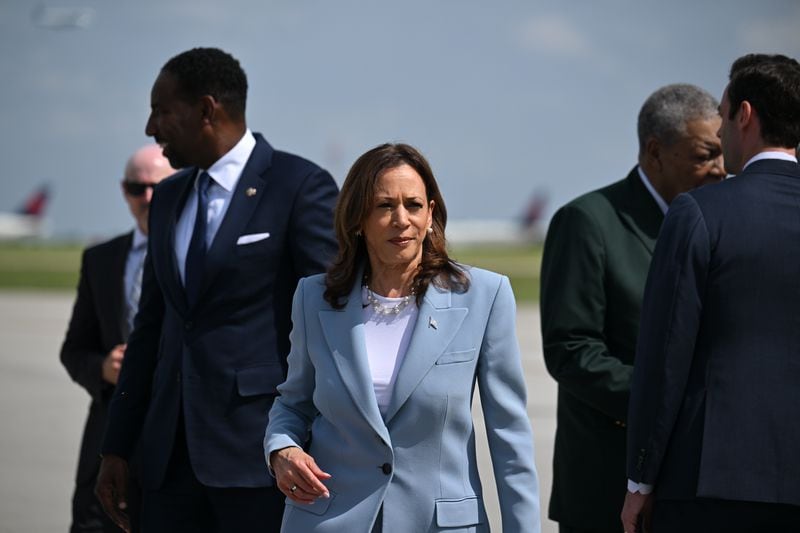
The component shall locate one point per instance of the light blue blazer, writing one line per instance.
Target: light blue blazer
(418, 461)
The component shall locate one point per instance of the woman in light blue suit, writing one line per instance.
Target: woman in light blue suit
(372, 431)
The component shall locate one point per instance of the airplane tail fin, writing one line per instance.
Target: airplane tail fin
(534, 211)
(36, 203)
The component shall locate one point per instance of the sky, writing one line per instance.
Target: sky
(505, 99)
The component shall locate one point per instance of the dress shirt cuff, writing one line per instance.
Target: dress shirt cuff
(642, 488)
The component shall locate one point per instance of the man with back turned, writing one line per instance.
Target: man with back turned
(714, 421)
(237, 228)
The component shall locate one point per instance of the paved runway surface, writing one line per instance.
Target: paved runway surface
(42, 414)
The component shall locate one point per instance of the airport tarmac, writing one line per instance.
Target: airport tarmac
(42, 414)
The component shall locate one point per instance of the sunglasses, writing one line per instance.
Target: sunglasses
(136, 189)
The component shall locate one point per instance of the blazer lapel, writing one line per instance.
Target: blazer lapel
(344, 333)
(640, 213)
(436, 326)
(247, 195)
(167, 242)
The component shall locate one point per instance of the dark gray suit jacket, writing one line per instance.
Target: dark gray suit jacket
(96, 326)
(715, 400)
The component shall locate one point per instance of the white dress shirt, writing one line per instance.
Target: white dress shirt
(225, 174)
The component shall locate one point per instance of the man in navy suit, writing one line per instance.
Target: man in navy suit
(93, 349)
(714, 421)
(237, 228)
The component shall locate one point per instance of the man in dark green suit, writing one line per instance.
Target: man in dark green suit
(596, 257)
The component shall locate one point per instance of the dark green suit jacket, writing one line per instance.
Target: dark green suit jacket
(596, 257)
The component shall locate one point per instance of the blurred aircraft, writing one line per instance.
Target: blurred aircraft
(62, 18)
(525, 229)
(27, 220)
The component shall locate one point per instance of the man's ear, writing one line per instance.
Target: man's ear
(653, 152)
(745, 115)
(208, 108)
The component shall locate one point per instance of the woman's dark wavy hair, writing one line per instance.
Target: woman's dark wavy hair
(355, 204)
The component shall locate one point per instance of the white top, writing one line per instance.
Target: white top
(387, 339)
(225, 174)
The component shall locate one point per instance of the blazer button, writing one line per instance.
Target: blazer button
(386, 468)
(188, 325)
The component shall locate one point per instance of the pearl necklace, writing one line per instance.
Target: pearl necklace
(384, 310)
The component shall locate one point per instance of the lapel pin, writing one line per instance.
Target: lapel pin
(432, 323)
(251, 191)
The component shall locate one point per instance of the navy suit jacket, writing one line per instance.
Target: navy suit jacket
(224, 356)
(715, 400)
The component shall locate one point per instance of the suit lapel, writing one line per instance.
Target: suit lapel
(436, 326)
(247, 195)
(167, 241)
(344, 333)
(639, 211)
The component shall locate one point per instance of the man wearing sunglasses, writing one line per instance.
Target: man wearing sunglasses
(108, 296)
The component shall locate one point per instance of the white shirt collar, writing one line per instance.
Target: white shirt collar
(228, 168)
(654, 193)
(139, 239)
(770, 155)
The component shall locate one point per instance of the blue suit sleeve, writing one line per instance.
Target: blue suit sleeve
(291, 414)
(503, 398)
(671, 311)
(313, 244)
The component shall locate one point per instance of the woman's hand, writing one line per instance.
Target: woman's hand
(298, 475)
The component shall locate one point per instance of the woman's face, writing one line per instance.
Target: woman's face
(398, 222)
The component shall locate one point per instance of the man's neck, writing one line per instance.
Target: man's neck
(222, 143)
(752, 144)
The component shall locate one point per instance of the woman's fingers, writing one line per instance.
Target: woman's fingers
(298, 475)
(312, 476)
(298, 494)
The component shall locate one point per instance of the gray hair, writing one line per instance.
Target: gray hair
(665, 112)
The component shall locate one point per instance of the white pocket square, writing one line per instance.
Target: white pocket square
(253, 237)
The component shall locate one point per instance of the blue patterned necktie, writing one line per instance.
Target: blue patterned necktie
(135, 294)
(196, 255)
